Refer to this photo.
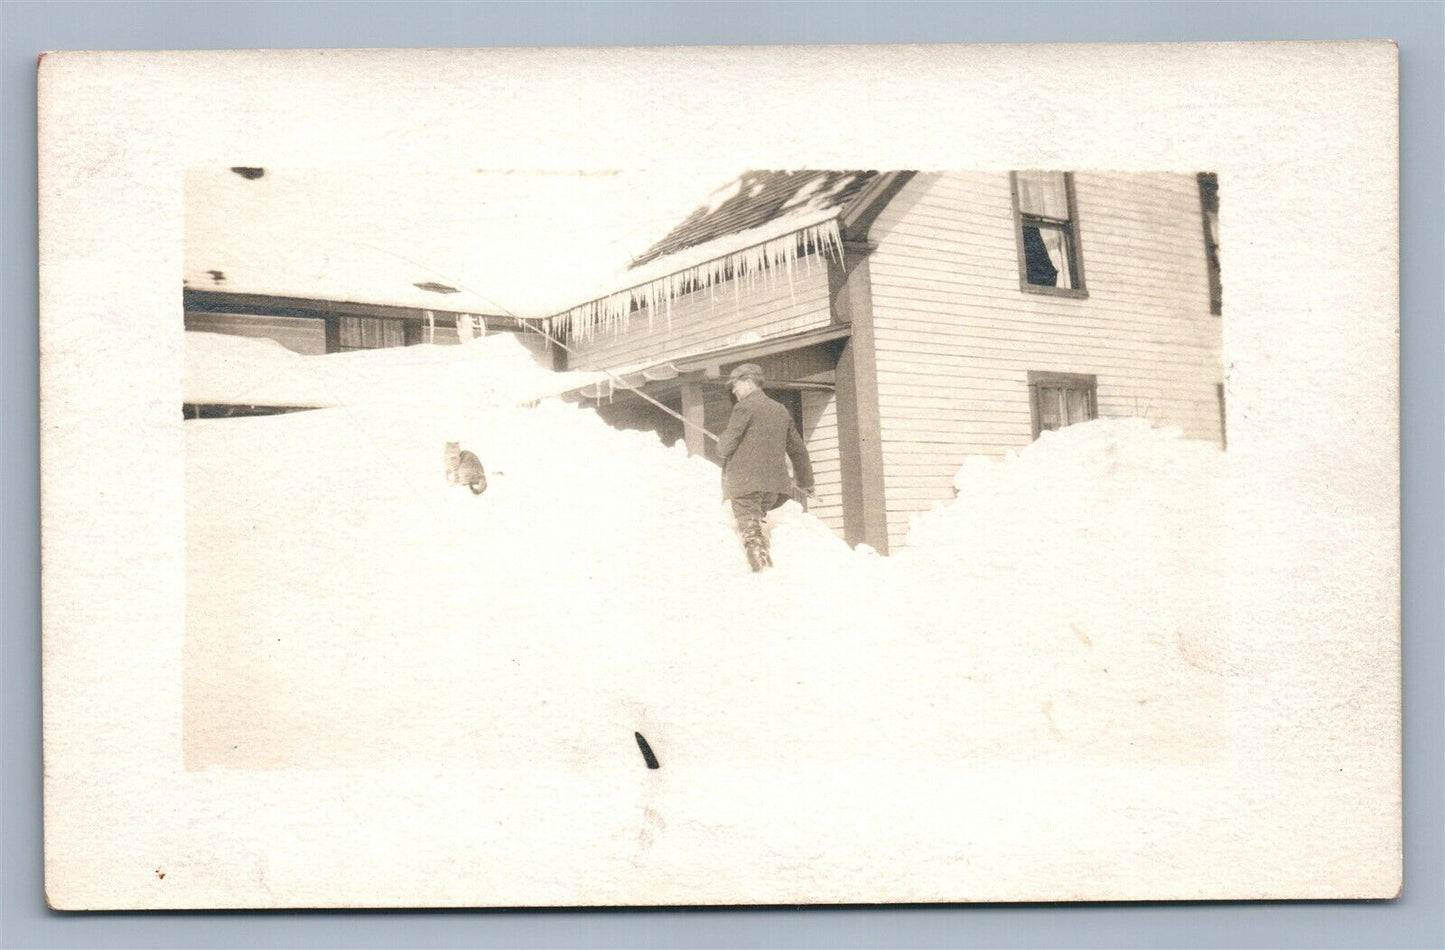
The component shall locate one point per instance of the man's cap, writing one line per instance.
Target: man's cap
(750, 370)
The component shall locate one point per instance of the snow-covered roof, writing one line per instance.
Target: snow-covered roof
(756, 199)
(289, 233)
(527, 244)
(524, 243)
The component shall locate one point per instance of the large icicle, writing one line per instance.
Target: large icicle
(748, 265)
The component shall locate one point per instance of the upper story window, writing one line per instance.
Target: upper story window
(1209, 205)
(1046, 225)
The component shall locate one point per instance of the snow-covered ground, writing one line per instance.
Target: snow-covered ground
(348, 609)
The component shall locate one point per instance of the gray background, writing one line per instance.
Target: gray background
(1415, 920)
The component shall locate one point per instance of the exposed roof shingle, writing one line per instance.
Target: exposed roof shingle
(756, 198)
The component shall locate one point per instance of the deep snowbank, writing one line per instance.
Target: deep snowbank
(1095, 552)
(424, 380)
(347, 608)
(1113, 516)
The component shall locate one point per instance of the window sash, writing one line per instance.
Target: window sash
(1057, 400)
(1044, 194)
(1046, 233)
(1048, 253)
(369, 333)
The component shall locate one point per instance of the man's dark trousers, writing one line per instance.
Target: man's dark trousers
(750, 509)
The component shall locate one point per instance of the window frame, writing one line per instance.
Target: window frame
(1039, 379)
(1071, 227)
(381, 325)
(791, 400)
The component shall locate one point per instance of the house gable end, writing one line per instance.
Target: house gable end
(858, 217)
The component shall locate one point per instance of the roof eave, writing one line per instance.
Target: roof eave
(703, 366)
(860, 213)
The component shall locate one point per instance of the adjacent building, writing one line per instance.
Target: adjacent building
(314, 325)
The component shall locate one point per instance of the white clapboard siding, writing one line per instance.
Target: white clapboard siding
(820, 431)
(307, 337)
(956, 337)
(710, 319)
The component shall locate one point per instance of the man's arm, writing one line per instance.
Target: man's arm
(732, 436)
(798, 453)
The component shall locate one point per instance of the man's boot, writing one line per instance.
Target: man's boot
(755, 544)
(757, 554)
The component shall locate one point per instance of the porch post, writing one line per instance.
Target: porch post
(860, 442)
(692, 419)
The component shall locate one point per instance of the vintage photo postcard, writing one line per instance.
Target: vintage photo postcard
(509, 478)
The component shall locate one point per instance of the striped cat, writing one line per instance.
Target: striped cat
(464, 468)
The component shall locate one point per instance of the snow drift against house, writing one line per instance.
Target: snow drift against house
(597, 589)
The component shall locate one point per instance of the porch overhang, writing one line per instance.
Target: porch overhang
(668, 376)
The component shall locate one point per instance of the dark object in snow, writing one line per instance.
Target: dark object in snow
(205, 410)
(248, 172)
(436, 288)
(219, 276)
(647, 755)
(464, 468)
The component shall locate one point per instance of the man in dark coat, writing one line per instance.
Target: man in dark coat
(759, 436)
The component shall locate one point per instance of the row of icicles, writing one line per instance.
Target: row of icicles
(745, 268)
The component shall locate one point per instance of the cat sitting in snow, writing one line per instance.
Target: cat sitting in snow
(464, 468)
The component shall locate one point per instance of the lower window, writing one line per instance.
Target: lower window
(369, 333)
(1062, 399)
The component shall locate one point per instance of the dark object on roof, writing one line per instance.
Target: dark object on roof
(759, 197)
(250, 173)
(436, 288)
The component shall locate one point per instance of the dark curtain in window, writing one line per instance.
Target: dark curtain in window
(1040, 270)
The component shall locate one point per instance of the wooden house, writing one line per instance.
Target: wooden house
(314, 325)
(272, 254)
(911, 319)
(308, 327)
